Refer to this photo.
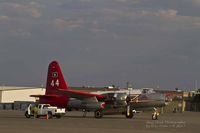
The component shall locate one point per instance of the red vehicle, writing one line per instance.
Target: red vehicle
(107, 102)
(58, 94)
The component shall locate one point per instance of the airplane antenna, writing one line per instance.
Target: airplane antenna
(42, 86)
(196, 83)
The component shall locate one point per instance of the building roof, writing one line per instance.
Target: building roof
(10, 88)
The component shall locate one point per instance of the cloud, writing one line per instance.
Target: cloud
(20, 33)
(184, 22)
(121, 0)
(166, 17)
(167, 13)
(4, 18)
(196, 2)
(197, 24)
(141, 13)
(127, 1)
(98, 30)
(67, 24)
(31, 8)
(85, 0)
(151, 38)
(35, 13)
(170, 13)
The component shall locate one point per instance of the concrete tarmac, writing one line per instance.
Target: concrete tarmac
(73, 122)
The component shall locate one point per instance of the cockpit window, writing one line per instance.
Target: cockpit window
(45, 106)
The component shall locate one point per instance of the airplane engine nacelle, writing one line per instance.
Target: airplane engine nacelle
(88, 106)
(93, 106)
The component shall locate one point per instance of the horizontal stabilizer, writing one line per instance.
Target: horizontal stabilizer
(47, 96)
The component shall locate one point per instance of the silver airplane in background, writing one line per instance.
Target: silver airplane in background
(129, 101)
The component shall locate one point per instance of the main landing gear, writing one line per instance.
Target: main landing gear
(84, 113)
(97, 113)
(129, 112)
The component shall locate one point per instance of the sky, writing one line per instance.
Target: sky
(149, 43)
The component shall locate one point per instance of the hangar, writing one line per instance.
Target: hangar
(10, 94)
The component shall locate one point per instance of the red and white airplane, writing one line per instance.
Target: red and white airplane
(58, 94)
(104, 102)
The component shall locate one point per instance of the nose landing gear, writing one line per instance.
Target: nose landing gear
(155, 114)
(129, 112)
(98, 114)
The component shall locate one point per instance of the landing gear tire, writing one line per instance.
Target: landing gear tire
(98, 114)
(27, 115)
(84, 113)
(129, 114)
(58, 116)
(155, 116)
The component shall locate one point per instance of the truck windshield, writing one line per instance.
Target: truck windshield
(45, 106)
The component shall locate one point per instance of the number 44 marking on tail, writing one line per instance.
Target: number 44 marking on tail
(52, 83)
(56, 83)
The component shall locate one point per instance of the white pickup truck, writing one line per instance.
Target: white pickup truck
(44, 110)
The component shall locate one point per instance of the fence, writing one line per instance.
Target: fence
(193, 107)
(17, 105)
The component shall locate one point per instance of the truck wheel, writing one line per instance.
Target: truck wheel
(50, 115)
(98, 114)
(58, 116)
(27, 115)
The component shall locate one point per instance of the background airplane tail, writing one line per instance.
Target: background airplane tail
(55, 78)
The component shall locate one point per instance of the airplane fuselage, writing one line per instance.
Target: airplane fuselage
(60, 101)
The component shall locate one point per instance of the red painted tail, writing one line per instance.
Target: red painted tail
(55, 78)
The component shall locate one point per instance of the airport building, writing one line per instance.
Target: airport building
(18, 98)
(10, 94)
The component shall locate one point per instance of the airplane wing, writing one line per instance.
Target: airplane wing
(47, 96)
(149, 100)
(78, 95)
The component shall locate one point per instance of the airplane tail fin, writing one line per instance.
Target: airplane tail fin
(55, 78)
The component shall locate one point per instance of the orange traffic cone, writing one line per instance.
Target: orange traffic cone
(46, 117)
